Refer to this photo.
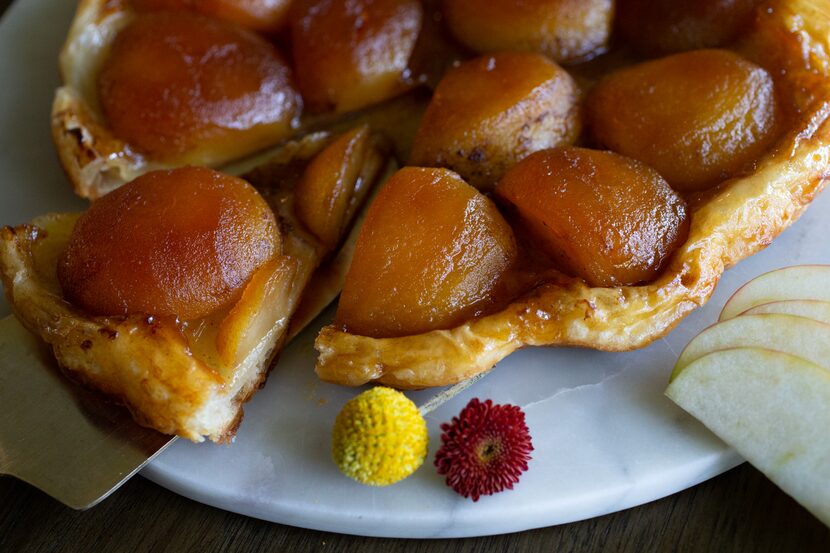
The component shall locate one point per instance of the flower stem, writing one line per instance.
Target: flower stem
(450, 393)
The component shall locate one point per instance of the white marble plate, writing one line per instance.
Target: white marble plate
(606, 438)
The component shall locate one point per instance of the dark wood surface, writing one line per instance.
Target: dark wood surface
(740, 511)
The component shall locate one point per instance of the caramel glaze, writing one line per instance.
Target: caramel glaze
(491, 111)
(698, 117)
(567, 31)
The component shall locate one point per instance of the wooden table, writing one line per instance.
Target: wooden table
(739, 511)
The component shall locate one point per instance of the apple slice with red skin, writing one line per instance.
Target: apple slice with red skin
(791, 334)
(801, 282)
(812, 309)
(773, 408)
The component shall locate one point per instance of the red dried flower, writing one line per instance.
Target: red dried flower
(485, 449)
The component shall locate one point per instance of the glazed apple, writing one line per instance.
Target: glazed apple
(698, 117)
(259, 15)
(353, 53)
(658, 27)
(605, 218)
(179, 243)
(565, 30)
(490, 112)
(325, 194)
(184, 88)
(432, 253)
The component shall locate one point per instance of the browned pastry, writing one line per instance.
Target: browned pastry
(790, 39)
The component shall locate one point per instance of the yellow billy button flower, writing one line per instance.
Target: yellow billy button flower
(380, 437)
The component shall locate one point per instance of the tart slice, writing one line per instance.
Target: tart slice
(601, 268)
(158, 84)
(174, 294)
(153, 90)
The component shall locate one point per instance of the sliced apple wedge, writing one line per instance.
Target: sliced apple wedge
(802, 282)
(773, 408)
(812, 309)
(791, 334)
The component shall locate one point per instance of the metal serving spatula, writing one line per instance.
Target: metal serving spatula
(56, 435)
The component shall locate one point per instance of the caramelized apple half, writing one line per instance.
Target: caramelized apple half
(698, 118)
(767, 191)
(353, 53)
(177, 243)
(656, 27)
(432, 253)
(490, 112)
(178, 88)
(605, 218)
(333, 183)
(185, 88)
(186, 371)
(565, 30)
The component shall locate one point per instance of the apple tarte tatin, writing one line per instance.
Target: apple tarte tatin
(583, 174)
(729, 146)
(174, 293)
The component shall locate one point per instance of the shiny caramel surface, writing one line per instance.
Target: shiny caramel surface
(491, 111)
(179, 243)
(326, 190)
(567, 31)
(698, 117)
(605, 218)
(185, 88)
(353, 53)
(432, 253)
(259, 15)
(657, 27)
